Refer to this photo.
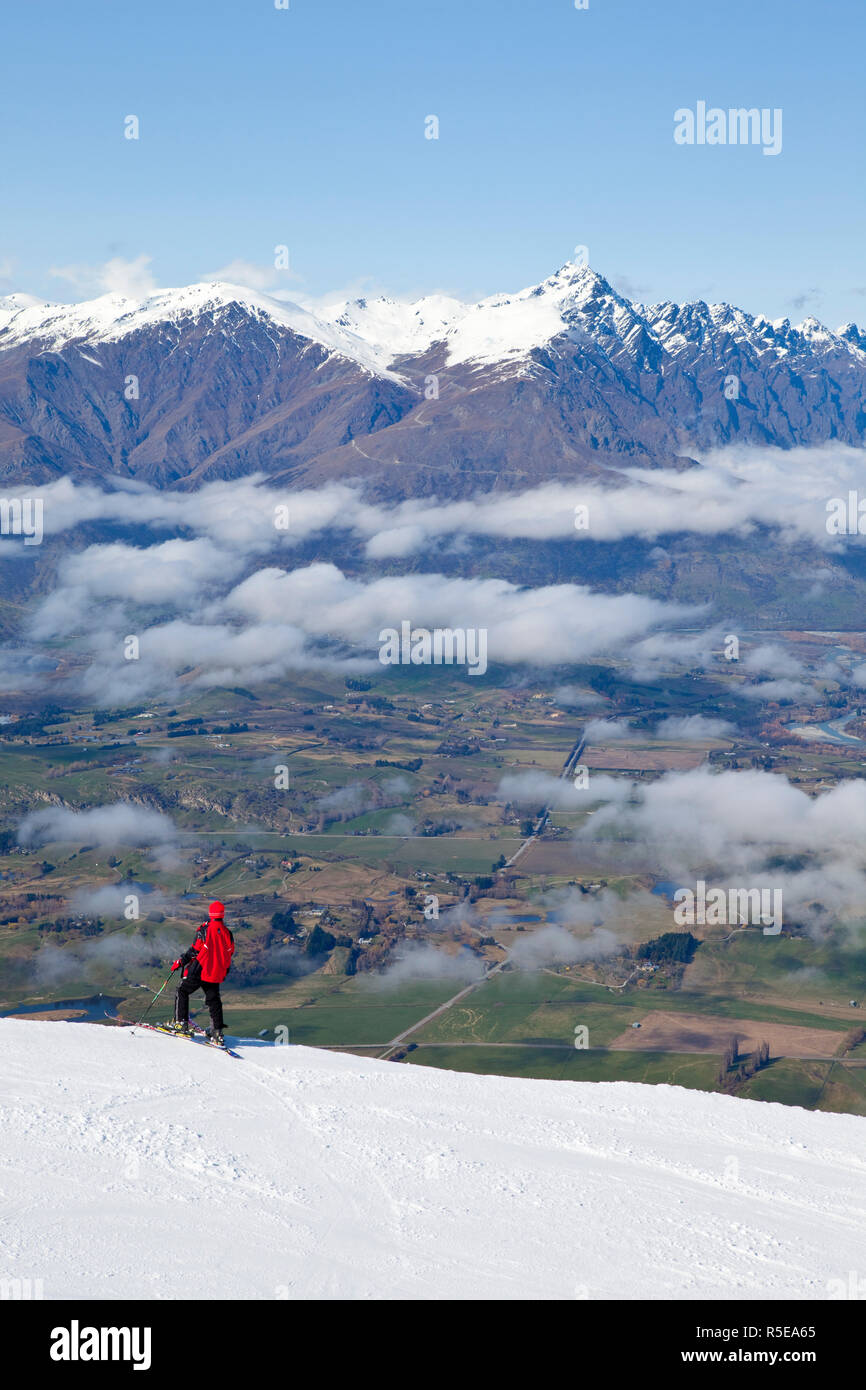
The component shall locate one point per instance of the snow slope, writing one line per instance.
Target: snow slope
(502, 329)
(23, 318)
(580, 304)
(138, 1166)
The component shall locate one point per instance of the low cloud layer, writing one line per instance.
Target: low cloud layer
(692, 726)
(723, 816)
(120, 823)
(186, 591)
(554, 945)
(609, 731)
(750, 829)
(312, 618)
(741, 829)
(117, 951)
(545, 626)
(733, 490)
(419, 961)
(536, 788)
(116, 900)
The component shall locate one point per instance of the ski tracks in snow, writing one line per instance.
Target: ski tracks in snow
(128, 1161)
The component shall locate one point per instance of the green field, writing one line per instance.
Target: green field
(569, 1064)
(261, 851)
(460, 855)
(337, 1012)
(543, 1007)
(829, 1086)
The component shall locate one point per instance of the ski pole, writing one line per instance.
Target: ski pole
(154, 999)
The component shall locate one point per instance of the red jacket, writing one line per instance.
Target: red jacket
(213, 947)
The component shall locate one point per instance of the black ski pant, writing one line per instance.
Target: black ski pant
(188, 985)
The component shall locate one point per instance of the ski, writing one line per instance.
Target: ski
(220, 1047)
(195, 1034)
(165, 1030)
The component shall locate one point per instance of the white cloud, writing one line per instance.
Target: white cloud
(608, 731)
(553, 945)
(732, 491)
(693, 726)
(771, 660)
(171, 574)
(536, 788)
(120, 823)
(419, 961)
(212, 654)
(111, 900)
(546, 626)
(722, 815)
(232, 525)
(746, 829)
(250, 275)
(780, 690)
(132, 279)
(573, 698)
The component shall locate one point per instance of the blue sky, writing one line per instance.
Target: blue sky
(263, 127)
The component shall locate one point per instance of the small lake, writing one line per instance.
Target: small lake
(95, 1009)
(829, 731)
(834, 729)
(665, 888)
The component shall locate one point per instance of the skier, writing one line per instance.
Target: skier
(205, 966)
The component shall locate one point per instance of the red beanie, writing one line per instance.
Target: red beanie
(216, 910)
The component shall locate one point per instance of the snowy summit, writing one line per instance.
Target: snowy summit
(575, 304)
(133, 1163)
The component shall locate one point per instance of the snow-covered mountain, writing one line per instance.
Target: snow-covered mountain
(112, 317)
(574, 303)
(564, 379)
(136, 1166)
(375, 333)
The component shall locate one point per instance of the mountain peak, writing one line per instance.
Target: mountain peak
(575, 275)
(110, 317)
(501, 330)
(813, 328)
